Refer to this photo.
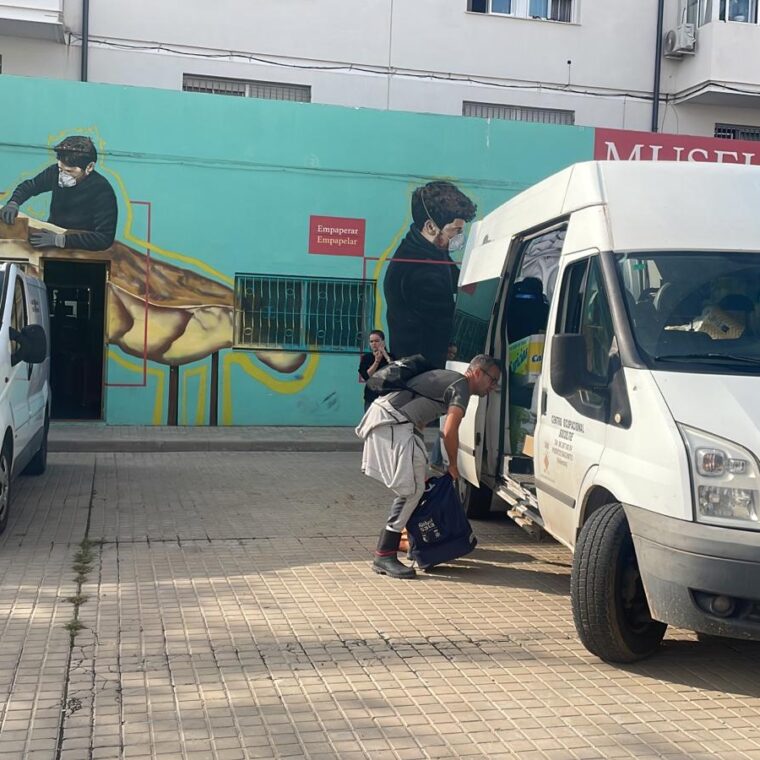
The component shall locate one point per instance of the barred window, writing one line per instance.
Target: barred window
(303, 313)
(244, 88)
(737, 132)
(517, 113)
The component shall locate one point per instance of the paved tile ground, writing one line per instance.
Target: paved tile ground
(231, 614)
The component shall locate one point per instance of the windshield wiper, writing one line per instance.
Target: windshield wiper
(713, 356)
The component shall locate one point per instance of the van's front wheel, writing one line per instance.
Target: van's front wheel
(610, 608)
(476, 501)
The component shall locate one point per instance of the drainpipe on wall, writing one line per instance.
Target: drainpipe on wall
(657, 65)
(390, 58)
(85, 37)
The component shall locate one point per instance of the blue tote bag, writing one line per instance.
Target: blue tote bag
(438, 529)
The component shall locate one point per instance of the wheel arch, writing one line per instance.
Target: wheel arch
(8, 440)
(594, 499)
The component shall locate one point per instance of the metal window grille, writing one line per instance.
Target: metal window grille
(517, 113)
(303, 313)
(737, 132)
(244, 88)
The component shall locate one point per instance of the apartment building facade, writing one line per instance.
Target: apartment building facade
(582, 62)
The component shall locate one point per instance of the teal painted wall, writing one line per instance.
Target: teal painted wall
(231, 185)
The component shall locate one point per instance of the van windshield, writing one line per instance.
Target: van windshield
(694, 310)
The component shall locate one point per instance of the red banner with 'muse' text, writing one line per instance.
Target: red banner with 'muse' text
(624, 145)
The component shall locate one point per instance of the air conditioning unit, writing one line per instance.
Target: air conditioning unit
(680, 41)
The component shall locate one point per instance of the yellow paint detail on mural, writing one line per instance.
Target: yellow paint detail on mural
(200, 406)
(295, 385)
(197, 263)
(158, 405)
(376, 275)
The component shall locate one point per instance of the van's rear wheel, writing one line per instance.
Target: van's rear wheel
(476, 501)
(5, 486)
(610, 607)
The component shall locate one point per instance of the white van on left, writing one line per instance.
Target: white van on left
(24, 379)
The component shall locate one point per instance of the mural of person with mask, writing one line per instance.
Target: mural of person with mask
(421, 282)
(83, 201)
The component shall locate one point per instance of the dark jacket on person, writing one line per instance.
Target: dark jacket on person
(420, 286)
(88, 209)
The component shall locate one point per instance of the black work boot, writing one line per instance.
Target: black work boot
(386, 562)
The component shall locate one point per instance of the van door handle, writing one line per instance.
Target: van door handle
(543, 402)
(29, 368)
(478, 438)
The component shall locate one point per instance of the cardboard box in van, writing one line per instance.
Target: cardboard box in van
(525, 358)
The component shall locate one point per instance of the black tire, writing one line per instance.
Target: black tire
(476, 501)
(610, 608)
(5, 486)
(38, 463)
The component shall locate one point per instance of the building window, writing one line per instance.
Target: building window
(243, 88)
(554, 10)
(303, 313)
(737, 132)
(705, 11)
(517, 113)
(744, 11)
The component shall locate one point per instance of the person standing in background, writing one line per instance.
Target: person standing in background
(371, 362)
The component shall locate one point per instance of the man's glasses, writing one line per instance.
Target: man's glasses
(494, 380)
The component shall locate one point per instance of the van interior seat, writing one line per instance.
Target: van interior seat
(643, 315)
(528, 309)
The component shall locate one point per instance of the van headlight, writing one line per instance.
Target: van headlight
(725, 478)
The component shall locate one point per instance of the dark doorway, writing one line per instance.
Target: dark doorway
(76, 298)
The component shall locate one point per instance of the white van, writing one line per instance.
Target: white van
(624, 298)
(24, 378)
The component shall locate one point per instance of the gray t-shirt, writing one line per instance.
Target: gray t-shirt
(439, 389)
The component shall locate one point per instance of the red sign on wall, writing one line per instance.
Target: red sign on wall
(336, 235)
(624, 145)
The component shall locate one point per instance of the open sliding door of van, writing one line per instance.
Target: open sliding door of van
(480, 288)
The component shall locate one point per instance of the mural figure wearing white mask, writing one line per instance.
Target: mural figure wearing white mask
(421, 283)
(83, 201)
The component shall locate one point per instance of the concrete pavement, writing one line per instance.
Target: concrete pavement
(97, 436)
(220, 605)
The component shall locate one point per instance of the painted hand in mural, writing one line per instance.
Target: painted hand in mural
(47, 239)
(9, 212)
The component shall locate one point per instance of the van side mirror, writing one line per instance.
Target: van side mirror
(568, 371)
(32, 344)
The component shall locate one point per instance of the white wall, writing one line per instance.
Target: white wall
(425, 42)
(24, 56)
